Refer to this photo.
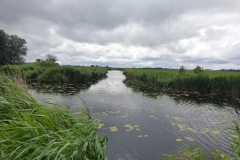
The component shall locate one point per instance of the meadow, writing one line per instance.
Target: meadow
(32, 131)
(206, 82)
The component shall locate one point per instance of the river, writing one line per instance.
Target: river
(142, 125)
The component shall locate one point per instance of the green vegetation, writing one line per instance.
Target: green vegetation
(29, 130)
(203, 82)
(53, 73)
(12, 49)
(195, 152)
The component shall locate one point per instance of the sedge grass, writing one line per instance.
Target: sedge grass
(54, 73)
(206, 82)
(29, 130)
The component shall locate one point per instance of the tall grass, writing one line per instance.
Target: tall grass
(54, 73)
(29, 130)
(208, 82)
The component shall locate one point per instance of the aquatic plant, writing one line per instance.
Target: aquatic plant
(55, 74)
(32, 131)
(207, 82)
(195, 152)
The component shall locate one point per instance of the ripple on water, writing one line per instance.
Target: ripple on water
(144, 127)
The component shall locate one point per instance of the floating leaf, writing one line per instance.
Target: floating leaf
(127, 125)
(177, 118)
(145, 135)
(100, 126)
(192, 130)
(216, 132)
(204, 130)
(174, 124)
(114, 129)
(180, 126)
(219, 123)
(189, 139)
(179, 140)
(131, 127)
(140, 136)
(110, 112)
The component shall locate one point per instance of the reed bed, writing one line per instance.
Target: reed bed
(206, 82)
(29, 130)
(43, 73)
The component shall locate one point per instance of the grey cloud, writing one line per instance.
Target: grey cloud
(162, 26)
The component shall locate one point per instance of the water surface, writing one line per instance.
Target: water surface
(142, 125)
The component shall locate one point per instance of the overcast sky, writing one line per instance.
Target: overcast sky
(128, 33)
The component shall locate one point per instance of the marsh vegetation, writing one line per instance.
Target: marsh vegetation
(193, 81)
(45, 72)
(32, 131)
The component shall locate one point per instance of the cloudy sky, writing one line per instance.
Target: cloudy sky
(128, 33)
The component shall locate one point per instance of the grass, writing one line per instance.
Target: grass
(195, 152)
(206, 82)
(50, 73)
(29, 130)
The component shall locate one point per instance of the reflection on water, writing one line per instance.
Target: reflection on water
(143, 125)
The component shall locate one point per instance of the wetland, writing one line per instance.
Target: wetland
(144, 124)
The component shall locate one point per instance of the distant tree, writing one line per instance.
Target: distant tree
(181, 69)
(51, 58)
(12, 49)
(198, 70)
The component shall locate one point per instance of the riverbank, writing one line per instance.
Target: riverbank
(44, 72)
(226, 83)
(32, 131)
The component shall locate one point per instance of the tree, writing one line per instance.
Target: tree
(51, 58)
(181, 69)
(12, 49)
(198, 70)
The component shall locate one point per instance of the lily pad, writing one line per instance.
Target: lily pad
(127, 125)
(177, 118)
(113, 129)
(100, 126)
(192, 130)
(179, 140)
(180, 126)
(216, 132)
(189, 139)
(204, 130)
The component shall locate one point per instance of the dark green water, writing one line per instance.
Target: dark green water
(143, 125)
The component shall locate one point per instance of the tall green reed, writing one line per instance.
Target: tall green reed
(29, 130)
(209, 82)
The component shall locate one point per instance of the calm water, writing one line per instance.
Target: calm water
(143, 125)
